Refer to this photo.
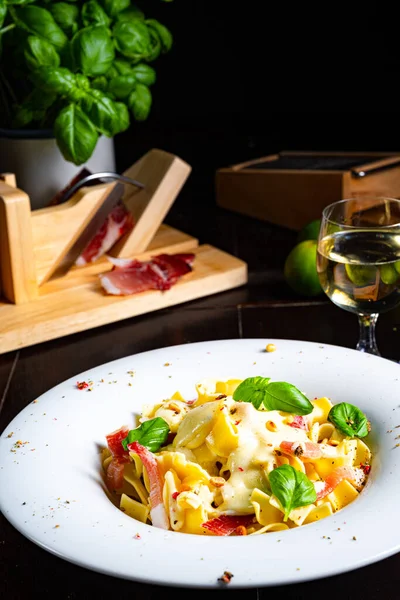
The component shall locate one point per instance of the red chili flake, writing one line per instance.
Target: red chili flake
(81, 385)
(365, 468)
(240, 469)
(189, 402)
(175, 495)
(137, 536)
(237, 422)
(226, 577)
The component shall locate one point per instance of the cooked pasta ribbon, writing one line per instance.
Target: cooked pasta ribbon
(218, 457)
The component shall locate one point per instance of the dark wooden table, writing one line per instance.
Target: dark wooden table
(265, 308)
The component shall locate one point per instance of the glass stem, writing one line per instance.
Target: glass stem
(367, 341)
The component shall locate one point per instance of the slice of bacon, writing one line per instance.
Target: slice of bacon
(227, 524)
(352, 474)
(158, 514)
(118, 222)
(115, 473)
(114, 440)
(299, 422)
(134, 276)
(302, 449)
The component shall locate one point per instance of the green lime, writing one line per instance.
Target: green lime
(397, 266)
(300, 269)
(389, 274)
(361, 275)
(309, 231)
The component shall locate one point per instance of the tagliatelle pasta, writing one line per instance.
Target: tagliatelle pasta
(233, 467)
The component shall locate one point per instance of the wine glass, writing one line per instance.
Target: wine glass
(358, 260)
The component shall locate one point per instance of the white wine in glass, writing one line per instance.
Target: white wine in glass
(358, 260)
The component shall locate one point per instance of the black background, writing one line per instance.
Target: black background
(248, 79)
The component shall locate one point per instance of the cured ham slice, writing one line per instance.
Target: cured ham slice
(228, 524)
(133, 276)
(158, 513)
(118, 222)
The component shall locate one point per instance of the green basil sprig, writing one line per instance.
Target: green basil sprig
(349, 419)
(152, 434)
(88, 61)
(292, 488)
(277, 395)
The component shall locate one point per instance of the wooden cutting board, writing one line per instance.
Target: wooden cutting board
(77, 302)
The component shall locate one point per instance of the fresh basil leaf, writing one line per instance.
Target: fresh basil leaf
(113, 7)
(100, 83)
(23, 115)
(123, 116)
(130, 14)
(292, 488)
(39, 21)
(162, 32)
(102, 112)
(144, 74)
(94, 14)
(20, 1)
(140, 101)
(252, 390)
(93, 50)
(65, 15)
(40, 53)
(152, 434)
(155, 46)
(132, 39)
(277, 395)
(349, 419)
(75, 134)
(122, 85)
(54, 79)
(122, 67)
(284, 396)
(3, 12)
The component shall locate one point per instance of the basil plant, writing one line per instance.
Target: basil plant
(82, 69)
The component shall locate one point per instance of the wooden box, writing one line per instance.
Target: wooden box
(292, 188)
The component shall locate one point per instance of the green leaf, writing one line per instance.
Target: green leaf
(66, 15)
(349, 419)
(39, 21)
(292, 488)
(122, 85)
(102, 112)
(140, 101)
(23, 115)
(3, 12)
(123, 115)
(94, 14)
(130, 14)
(54, 79)
(20, 1)
(287, 397)
(113, 7)
(93, 50)
(144, 74)
(278, 395)
(252, 390)
(75, 134)
(122, 67)
(152, 434)
(40, 53)
(100, 83)
(132, 39)
(162, 32)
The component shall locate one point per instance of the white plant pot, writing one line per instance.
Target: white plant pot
(40, 168)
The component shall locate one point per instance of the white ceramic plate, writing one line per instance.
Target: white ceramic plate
(51, 488)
